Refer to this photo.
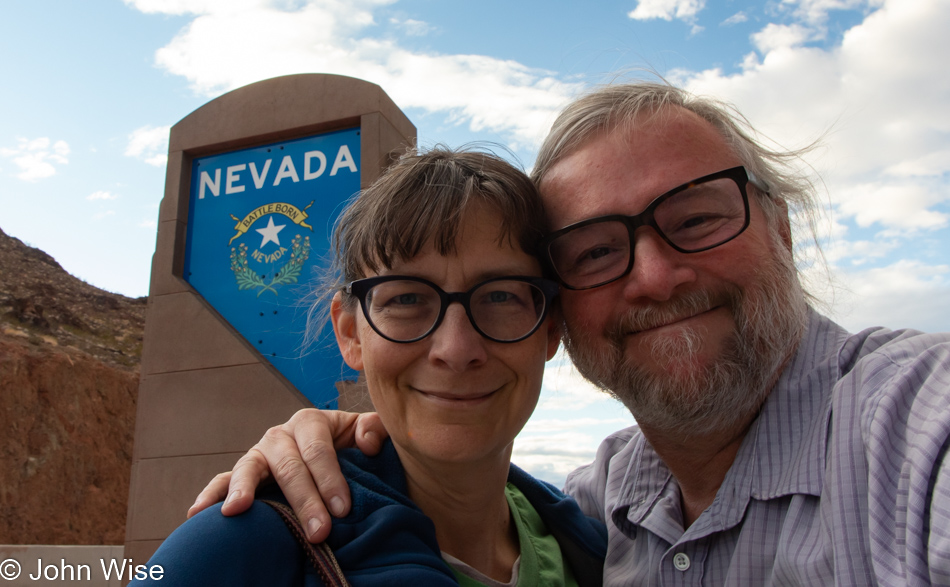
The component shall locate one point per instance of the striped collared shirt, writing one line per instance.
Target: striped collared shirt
(841, 479)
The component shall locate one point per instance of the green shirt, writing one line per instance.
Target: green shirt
(541, 563)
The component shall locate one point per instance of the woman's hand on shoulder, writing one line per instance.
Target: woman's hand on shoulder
(300, 456)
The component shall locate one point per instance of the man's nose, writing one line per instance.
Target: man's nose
(456, 343)
(658, 269)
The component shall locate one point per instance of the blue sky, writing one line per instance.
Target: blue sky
(89, 90)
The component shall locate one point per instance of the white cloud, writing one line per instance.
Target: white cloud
(876, 91)
(905, 293)
(559, 442)
(736, 18)
(182, 7)
(552, 457)
(554, 470)
(550, 448)
(150, 144)
(564, 388)
(148, 224)
(903, 205)
(101, 195)
(543, 426)
(413, 28)
(931, 164)
(37, 158)
(103, 214)
(775, 37)
(816, 11)
(860, 252)
(228, 45)
(685, 10)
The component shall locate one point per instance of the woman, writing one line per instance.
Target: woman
(438, 301)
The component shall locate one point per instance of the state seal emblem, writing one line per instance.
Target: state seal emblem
(265, 274)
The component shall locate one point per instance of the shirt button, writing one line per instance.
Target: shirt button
(680, 561)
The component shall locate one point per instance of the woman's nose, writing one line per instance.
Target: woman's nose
(456, 343)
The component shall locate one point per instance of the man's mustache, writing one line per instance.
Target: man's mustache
(656, 314)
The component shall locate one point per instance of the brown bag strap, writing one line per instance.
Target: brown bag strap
(319, 555)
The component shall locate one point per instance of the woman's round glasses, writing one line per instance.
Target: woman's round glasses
(407, 309)
(696, 216)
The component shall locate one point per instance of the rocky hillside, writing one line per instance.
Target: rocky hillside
(69, 355)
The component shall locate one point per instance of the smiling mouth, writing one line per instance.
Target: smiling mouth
(457, 399)
(670, 322)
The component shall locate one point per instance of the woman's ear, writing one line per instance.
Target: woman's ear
(347, 334)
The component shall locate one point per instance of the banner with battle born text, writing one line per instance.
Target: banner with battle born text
(258, 231)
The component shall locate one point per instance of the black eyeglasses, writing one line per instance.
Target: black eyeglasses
(407, 309)
(696, 216)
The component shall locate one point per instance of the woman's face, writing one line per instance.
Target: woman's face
(453, 396)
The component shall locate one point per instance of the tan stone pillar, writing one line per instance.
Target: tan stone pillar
(206, 393)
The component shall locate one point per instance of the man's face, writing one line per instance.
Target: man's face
(690, 342)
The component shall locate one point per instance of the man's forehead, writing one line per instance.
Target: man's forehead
(619, 171)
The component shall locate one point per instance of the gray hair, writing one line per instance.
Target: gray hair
(620, 106)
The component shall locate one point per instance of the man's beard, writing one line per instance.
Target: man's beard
(686, 398)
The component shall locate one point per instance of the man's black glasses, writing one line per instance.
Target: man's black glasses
(696, 216)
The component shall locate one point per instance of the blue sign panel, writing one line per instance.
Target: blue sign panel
(258, 231)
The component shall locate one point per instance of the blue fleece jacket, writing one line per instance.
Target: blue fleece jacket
(384, 539)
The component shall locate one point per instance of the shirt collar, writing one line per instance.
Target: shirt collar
(791, 432)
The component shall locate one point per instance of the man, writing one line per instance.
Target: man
(772, 447)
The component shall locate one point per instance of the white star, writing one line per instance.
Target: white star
(270, 233)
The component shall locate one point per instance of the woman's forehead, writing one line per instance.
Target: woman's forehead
(480, 252)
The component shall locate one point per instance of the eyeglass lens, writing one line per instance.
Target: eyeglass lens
(697, 218)
(503, 310)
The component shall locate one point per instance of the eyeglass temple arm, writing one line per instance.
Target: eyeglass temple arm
(759, 184)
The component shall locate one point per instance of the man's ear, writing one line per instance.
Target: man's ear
(347, 334)
(784, 225)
